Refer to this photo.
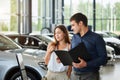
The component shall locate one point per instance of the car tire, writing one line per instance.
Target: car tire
(45, 30)
(18, 75)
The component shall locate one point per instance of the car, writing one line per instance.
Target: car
(33, 60)
(27, 41)
(110, 53)
(111, 41)
(9, 69)
(6, 44)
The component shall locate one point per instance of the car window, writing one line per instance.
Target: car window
(27, 41)
(32, 42)
(6, 44)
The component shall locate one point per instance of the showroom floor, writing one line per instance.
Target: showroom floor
(111, 72)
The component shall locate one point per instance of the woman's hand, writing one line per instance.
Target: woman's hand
(50, 48)
(68, 74)
(69, 71)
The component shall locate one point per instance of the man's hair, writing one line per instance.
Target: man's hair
(79, 17)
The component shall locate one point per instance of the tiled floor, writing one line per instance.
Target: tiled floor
(111, 72)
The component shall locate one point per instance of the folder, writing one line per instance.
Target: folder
(67, 57)
(64, 57)
(80, 51)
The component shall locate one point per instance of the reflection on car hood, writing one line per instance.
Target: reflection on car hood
(12, 57)
(6, 56)
(109, 48)
(112, 39)
(36, 53)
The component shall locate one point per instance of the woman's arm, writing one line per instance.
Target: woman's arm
(69, 71)
(50, 49)
(69, 67)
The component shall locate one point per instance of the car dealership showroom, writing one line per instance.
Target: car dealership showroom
(27, 27)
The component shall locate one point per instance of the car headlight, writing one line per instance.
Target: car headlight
(42, 65)
(116, 45)
(113, 44)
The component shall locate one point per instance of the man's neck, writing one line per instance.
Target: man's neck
(83, 31)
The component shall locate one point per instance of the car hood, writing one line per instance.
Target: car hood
(109, 48)
(36, 53)
(7, 56)
(112, 40)
(12, 57)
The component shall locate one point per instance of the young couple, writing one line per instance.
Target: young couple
(93, 42)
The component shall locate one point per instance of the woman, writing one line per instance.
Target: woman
(56, 70)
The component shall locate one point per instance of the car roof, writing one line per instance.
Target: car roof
(21, 35)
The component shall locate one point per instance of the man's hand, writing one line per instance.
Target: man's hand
(82, 63)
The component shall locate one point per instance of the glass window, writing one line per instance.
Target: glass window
(73, 6)
(8, 17)
(46, 13)
(107, 15)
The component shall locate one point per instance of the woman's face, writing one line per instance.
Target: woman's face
(59, 35)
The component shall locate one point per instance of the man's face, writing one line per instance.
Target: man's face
(75, 27)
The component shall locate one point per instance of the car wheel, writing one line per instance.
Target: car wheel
(17, 76)
(45, 30)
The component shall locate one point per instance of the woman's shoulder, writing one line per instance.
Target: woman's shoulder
(69, 46)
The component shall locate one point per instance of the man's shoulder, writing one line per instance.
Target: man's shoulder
(95, 34)
(76, 36)
(97, 37)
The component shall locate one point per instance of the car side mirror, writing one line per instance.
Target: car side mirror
(42, 46)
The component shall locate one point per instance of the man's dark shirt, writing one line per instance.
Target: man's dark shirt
(96, 48)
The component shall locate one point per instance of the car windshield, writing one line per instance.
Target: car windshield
(45, 38)
(6, 44)
(112, 34)
(105, 35)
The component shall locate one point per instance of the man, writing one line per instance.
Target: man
(95, 46)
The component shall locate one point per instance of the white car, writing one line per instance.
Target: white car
(110, 53)
(33, 61)
(111, 41)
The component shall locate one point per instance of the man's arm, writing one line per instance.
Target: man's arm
(102, 55)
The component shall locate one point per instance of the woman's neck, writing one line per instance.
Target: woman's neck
(61, 43)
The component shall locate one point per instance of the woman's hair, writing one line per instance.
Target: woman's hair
(62, 28)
